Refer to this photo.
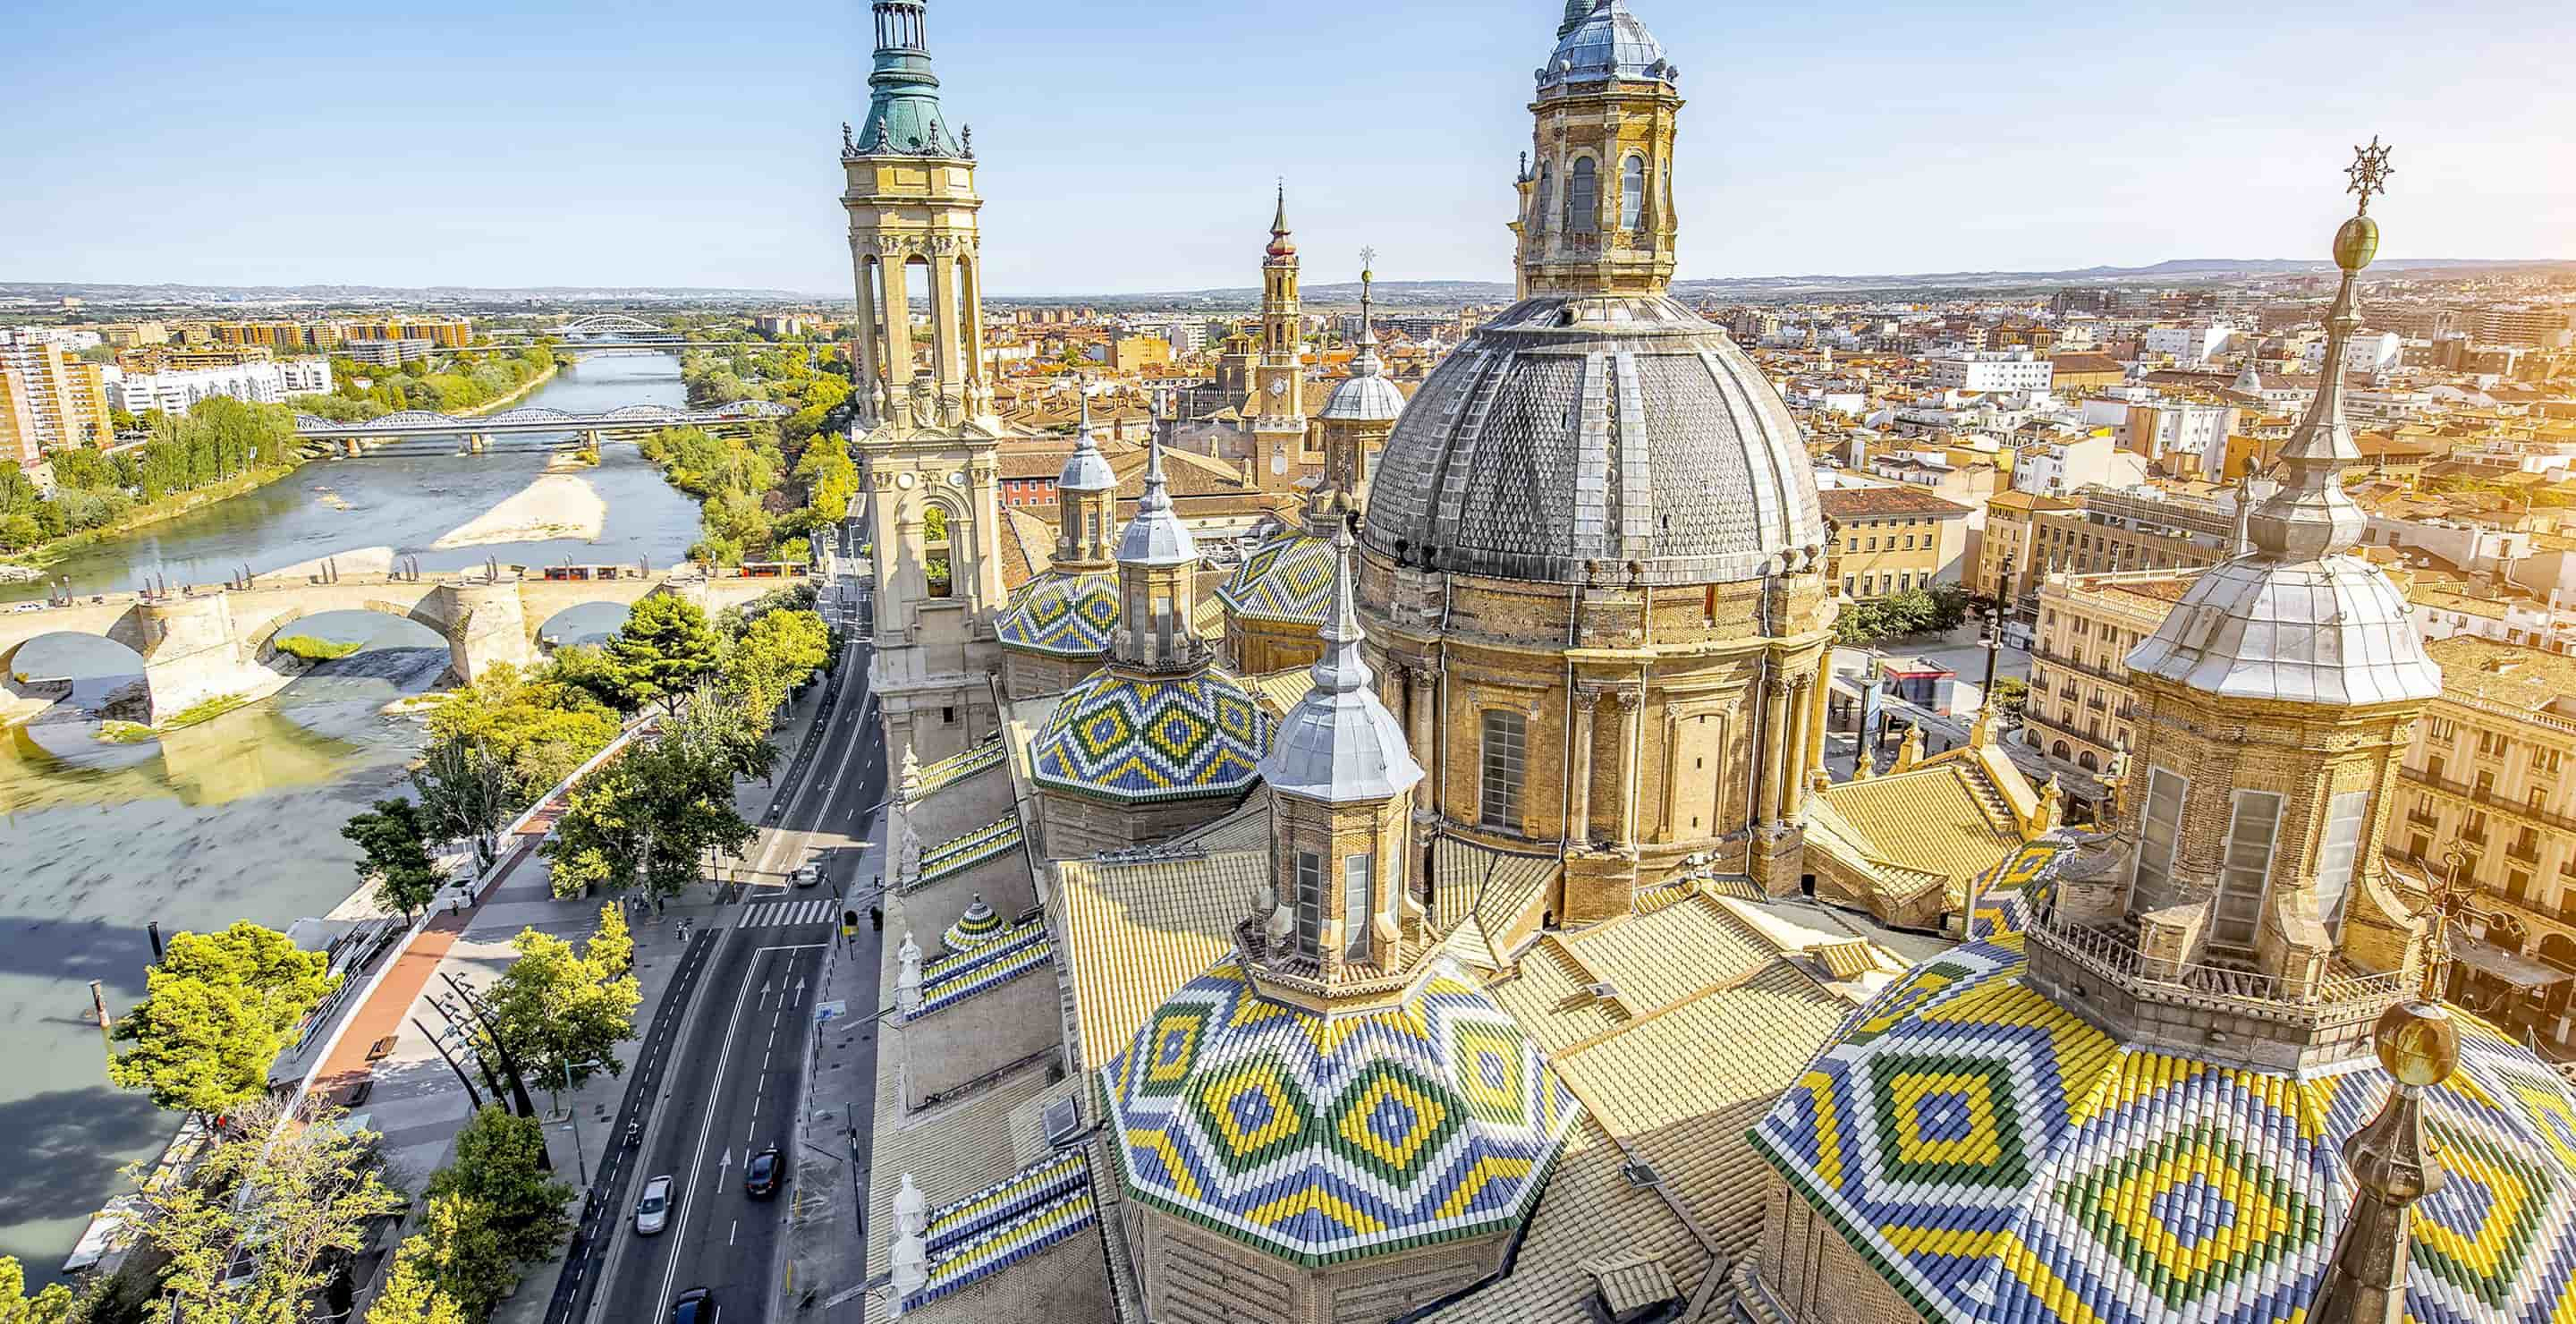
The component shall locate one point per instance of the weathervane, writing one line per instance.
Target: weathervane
(1368, 262)
(2369, 171)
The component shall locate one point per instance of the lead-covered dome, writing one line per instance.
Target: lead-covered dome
(1607, 43)
(1603, 429)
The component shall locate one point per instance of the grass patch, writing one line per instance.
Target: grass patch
(207, 711)
(311, 649)
(125, 733)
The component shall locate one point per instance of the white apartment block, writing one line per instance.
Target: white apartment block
(2367, 351)
(2198, 342)
(2009, 370)
(256, 383)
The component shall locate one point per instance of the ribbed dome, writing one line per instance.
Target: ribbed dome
(2333, 631)
(1569, 431)
(1364, 400)
(1610, 42)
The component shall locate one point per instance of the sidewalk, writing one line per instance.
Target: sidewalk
(825, 1252)
(419, 1105)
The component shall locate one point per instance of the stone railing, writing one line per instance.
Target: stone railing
(2113, 957)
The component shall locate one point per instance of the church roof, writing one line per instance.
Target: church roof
(1607, 43)
(1568, 432)
(1062, 615)
(1320, 1139)
(1997, 1158)
(2334, 631)
(1134, 739)
(1288, 579)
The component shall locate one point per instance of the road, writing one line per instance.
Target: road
(734, 1081)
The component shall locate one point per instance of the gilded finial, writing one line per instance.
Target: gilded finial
(2369, 171)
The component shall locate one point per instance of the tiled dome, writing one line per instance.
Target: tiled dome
(1062, 615)
(1287, 579)
(1135, 739)
(1322, 1139)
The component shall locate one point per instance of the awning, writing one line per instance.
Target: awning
(2512, 967)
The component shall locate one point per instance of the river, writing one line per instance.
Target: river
(237, 818)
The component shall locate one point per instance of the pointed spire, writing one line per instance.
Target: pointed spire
(1342, 669)
(1086, 470)
(1281, 246)
(1365, 362)
(2310, 517)
(1156, 536)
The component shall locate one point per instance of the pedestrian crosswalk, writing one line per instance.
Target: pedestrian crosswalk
(781, 914)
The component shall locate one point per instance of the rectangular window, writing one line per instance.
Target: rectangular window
(2344, 820)
(1310, 902)
(1357, 871)
(2246, 877)
(1163, 625)
(1505, 758)
(2159, 838)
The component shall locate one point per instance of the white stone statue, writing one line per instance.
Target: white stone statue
(907, 980)
(911, 770)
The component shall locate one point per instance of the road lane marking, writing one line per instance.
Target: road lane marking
(706, 1130)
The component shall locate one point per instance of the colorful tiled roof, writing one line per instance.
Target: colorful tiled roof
(979, 925)
(1133, 739)
(1038, 1207)
(987, 967)
(1997, 1158)
(950, 771)
(1320, 1139)
(998, 837)
(1062, 615)
(962, 960)
(1289, 578)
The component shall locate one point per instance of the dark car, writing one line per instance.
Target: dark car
(760, 1177)
(695, 1306)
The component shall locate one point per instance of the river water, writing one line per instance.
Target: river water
(237, 818)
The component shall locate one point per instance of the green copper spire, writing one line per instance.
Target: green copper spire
(904, 118)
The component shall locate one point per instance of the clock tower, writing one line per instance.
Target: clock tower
(1280, 439)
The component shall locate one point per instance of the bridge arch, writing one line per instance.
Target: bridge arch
(58, 665)
(412, 627)
(583, 623)
(603, 323)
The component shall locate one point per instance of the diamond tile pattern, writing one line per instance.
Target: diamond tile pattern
(1996, 1158)
(1062, 615)
(1138, 739)
(950, 771)
(965, 852)
(1287, 579)
(1323, 1139)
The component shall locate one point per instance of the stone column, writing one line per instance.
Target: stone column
(1801, 718)
(1578, 830)
(1632, 710)
(943, 322)
(1419, 695)
(1819, 715)
(1775, 750)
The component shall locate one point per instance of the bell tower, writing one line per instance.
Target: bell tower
(1597, 207)
(928, 441)
(1278, 405)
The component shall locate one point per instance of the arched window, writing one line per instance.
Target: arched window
(1632, 193)
(2087, 762)
(1583, 198)
(935, 549)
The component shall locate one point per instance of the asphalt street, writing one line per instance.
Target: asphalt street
(734, 1083)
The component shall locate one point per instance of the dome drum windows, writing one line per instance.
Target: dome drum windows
(1632, 193)
(1583, 197)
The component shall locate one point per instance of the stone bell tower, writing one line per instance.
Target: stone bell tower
(928, 438)
(1278, 405)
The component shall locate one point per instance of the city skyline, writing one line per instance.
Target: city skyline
(698, 151)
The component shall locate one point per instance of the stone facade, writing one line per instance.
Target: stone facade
(1195, 1276)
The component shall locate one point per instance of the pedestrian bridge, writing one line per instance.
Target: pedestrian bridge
(209, 644)
(476, 429)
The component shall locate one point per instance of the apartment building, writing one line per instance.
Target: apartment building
(2487, 777)
(18, 425)
(1895, 539)
(2081, 706)
(444, 332)
(61, 400)
(2135, 528)
(257, 383)
(2016, 371)
(2522, 324)
(308, 337)
(387, 353)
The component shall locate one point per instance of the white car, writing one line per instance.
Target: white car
(653, 1212)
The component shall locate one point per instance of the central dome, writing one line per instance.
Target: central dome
(1613, 429)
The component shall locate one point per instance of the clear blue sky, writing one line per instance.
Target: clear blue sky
(1130, 146)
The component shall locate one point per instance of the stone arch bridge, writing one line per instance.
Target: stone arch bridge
(212, 644)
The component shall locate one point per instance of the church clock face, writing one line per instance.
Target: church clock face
(1278, 386)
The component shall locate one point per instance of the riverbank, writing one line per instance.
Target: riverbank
(555, 506)
(157, 512)
(553, 366)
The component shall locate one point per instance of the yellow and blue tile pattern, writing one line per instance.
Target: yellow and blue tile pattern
(950, 771)
(1033, 1209)
(1062, 615)
(967, 850)
(1997, 1158)
(1323, 1139)
(1135, 739)
(1287, 579)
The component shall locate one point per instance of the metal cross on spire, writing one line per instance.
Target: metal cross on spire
(2369, 171)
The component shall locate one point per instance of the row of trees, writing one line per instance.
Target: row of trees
(762, 494)
(217, 439)
(1915, 611)
(469, 384)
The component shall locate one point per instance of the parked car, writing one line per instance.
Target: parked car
(695, 1306)
(653, 1212)
(760, 1177)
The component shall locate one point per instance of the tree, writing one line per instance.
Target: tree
(297, 1198)
(412, 1294)
(776, 652)
(467, 791)
(394, 854)
(50, 1306)
(562, 1013)
(612, 947)
(535, 720)
(462, 1253)
(496, 1170)
(665, 648)
(2012, 695)
(646, 820)
(735, 735)
(214, 1014)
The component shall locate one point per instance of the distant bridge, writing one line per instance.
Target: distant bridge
(478, 430)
